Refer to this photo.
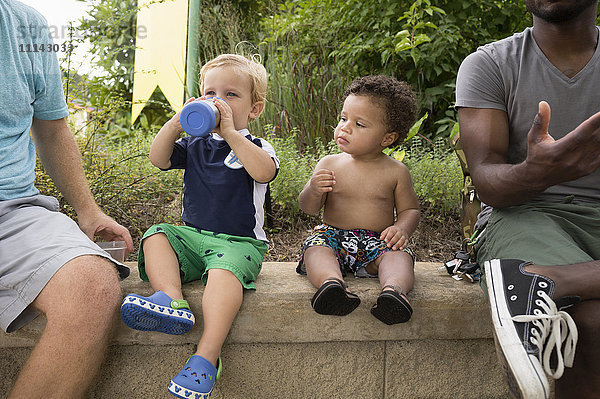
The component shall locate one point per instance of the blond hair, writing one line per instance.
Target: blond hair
(249, 66)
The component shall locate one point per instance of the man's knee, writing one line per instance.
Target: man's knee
(96, 281)
(86, 285)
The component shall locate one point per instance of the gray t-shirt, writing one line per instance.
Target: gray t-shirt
(30, 86)
(514, 75)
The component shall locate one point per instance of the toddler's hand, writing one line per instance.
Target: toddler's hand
(395, 237)
(226, 124)
(175, 121)
(322, 181)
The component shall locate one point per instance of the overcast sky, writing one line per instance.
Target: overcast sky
(59, 13)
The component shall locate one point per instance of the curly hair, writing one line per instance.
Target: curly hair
(396, 97)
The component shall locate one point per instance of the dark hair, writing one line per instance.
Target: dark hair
(397, 99)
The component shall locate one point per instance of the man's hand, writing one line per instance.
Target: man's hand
(575, 155)
(99, 224)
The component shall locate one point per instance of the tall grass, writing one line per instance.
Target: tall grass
(220, 31)
(305, 91)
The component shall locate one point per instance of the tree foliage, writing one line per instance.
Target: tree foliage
(313, 48)
(414, 41)
(110, 27)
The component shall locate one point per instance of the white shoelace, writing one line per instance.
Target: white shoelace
(562, 330)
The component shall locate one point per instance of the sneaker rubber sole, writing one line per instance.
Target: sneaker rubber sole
(526, 377)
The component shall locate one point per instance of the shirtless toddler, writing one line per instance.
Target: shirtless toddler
(370, 207)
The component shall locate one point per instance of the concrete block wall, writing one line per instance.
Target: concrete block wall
(279, 347)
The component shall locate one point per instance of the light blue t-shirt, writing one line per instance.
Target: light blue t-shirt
(30, 86)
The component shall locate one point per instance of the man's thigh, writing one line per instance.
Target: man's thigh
(542, 233)
(35, 242)
(87, 281)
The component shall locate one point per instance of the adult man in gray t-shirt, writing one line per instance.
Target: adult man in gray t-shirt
(541, 248)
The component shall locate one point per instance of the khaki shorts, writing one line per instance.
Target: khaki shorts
(35, 242)
(199, 251)
(543, 233)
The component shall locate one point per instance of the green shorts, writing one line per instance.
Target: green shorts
(543, 233)
(199, 251)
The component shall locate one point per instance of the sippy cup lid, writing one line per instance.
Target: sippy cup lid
(198, 118)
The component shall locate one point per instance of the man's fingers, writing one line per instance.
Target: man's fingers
(539, 129)
(592, 124)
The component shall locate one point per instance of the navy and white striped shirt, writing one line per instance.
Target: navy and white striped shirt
(218, 193)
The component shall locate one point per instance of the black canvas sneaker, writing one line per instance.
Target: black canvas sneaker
(530, 331)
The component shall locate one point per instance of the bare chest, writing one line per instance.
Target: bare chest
(369, 185)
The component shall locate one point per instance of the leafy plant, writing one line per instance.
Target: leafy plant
(124, 183)
(294, 170)
(437, 177)
(413, 40)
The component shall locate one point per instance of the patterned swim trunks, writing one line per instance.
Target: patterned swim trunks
(354, 249)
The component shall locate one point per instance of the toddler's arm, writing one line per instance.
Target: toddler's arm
(257, 162)
(314, 193)
(162, 145)
(397, 235)
(407, 213)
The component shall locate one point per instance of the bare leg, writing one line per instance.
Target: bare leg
(221, 302)
(583, 379)
(321, 265)
(80, 302)
(582, 279)
(162, 265)
(394, 268)
(333, 297)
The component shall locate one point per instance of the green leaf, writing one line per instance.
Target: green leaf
(420, 39)
(454, 131)
(398, 155)
(403, 45)
(412, 132)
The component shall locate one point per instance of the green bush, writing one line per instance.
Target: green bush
(124, 183)
(295, 170)
(437, 178)
(413, 40)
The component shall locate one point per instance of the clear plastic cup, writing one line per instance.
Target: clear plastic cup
(116, 249)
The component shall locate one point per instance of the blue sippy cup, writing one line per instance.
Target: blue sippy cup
(199, 118)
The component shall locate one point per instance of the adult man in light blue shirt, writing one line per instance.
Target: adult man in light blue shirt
(49, 264)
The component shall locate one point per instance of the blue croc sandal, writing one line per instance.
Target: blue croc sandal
(196, 380)
(157, 312)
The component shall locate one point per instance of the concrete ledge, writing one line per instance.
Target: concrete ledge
(279, 347)
(280, 311)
